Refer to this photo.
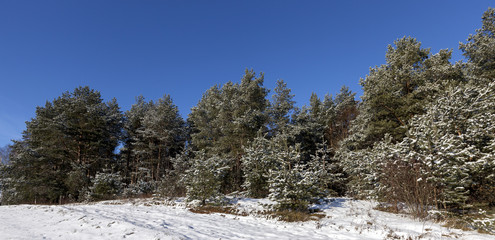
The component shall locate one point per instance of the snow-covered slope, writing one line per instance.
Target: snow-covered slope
(151, 219)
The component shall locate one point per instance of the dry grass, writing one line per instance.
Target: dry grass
(386, 207)
(458, 224)
(286, 215)
(297, 216)
(209, 209)
(482, 223)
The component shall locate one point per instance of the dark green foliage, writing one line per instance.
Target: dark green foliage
(399, 90)
(305, 132)
(63, 147)
(4, 154)
(75, 179)
(281, 107)
(172, 184)
(334, 116)
(226, 119)
(203, 179)
(425, 134)
(480, 49)
(329, 173)
(258, 160)
(105, 186)
(155, 133)
(292, 183)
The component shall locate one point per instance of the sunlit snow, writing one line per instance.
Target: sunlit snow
(156, 219)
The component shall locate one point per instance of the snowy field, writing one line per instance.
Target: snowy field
(153, 219)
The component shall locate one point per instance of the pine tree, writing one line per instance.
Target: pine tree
(203, 179)
(443, 160)
(305, 132)
(4, 154)
(133, 145)
(156, 133)
(287, 182)
(163, 132)
(172, 185)
(105, 185)
(294, 184)
(394, 92)
(20, 182)
(480, 48)
(258, 160)
(226, 119)
(75, 135)
(345, 112)
(329, 174)
(281, 107)
(460, 131)
(364, 167)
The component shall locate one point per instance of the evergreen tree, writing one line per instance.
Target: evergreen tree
(281, 107)
(258, 160)
(363, 166)
(292, 183)
(163, 132)
(345, 111)
(21, 182)
(203, 179)
(305, 132)
(335, 115)
(443, 160)
(324, 121)
(480, 48)
(286, 181)
(155, 134)
(226, 119)
(329, 174)
(105, 185)
(172, 184)
(133, 170)
(456, 134)
(4, 154)
(394, 92)
(70, 138)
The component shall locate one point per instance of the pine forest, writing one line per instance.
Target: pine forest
(421, 138)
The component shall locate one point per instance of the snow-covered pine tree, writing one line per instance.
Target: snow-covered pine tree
(172, 184)
(164, 133)
(452, 141)
(330, 177)
(156, 133)
(293, 184)
(105, 185)
(226, 119)
(394, 92)
(203, 179)
(305, 131)
(133, 151)
(257, 161)
(286, 181)
(76, 132)
(480, 49)
(280, 109)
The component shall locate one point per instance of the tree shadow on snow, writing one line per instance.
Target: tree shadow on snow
(328, 203)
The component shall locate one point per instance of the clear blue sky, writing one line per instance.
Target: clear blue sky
(127, 48)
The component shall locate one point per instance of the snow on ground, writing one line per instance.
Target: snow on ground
(152, 219)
